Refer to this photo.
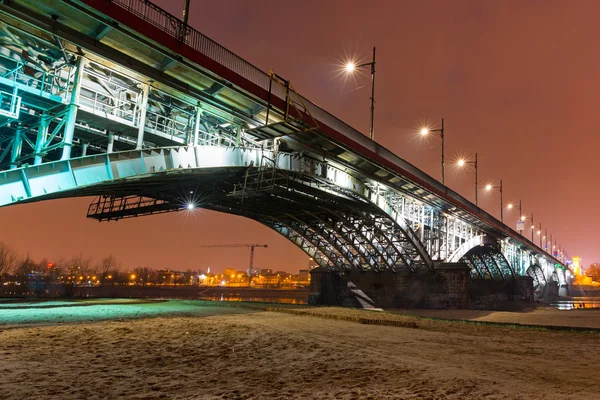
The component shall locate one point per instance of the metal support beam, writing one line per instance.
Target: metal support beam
(17, 145)
(40, 141)
(111, 142)
(72, 114)
(197, 125)
(142, 120)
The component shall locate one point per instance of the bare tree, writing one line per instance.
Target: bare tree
(593, 271)
(8, 258)
(24, 268)
(79, 267)
(107, 266)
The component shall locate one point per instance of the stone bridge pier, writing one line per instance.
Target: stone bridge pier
(449, 286)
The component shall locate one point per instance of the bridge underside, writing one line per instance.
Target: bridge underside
(339, 230)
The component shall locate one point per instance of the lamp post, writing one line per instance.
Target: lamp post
(350, 68)
(489, 187)
(522, 218)
(532, 227)
(425, 131)
(461, 163)
(540, 234)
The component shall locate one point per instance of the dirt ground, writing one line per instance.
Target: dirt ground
(236, 353)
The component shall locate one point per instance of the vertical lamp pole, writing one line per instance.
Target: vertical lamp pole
(461, 163)
(521, 216)
(372, 129)
(532, 227)
(350, 68)
(489, 187)
(501, 205)
(425, 131)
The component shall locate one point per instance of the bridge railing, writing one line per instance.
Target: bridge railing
(193, 38)
(55, 81)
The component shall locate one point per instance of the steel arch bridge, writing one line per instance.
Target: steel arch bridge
(122, 101)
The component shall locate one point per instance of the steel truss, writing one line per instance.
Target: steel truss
(57, 104)
(536, 272)
(487, 262)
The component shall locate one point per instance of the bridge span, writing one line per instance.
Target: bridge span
(120, 100)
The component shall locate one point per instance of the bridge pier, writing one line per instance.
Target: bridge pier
(450, 286)
(447, 287)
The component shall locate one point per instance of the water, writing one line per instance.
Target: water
(577, 303)
(260, 299)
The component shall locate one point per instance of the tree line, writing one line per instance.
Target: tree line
(81, 270)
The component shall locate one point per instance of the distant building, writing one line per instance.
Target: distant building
(266, 271)
(576, 265)
(271, 279)
(304, 275)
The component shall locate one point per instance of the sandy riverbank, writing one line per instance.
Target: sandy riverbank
(209, 352)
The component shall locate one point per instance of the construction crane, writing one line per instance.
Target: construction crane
(252, 246)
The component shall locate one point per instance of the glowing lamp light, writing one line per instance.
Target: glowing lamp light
(523, 218)
(190, 206)
(424, 131)
(539, 232)
(509, 206)
(488, 187)
(350, 67)
(461, 163)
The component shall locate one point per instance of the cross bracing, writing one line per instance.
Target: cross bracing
(105, 110)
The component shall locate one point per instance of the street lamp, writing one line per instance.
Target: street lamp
(522, 218)
(488, 188)
(532, 228)
(461, 163)
(426, 131)
(350, 68)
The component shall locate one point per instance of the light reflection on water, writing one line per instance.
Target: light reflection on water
(576, 303)
(284, 300)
